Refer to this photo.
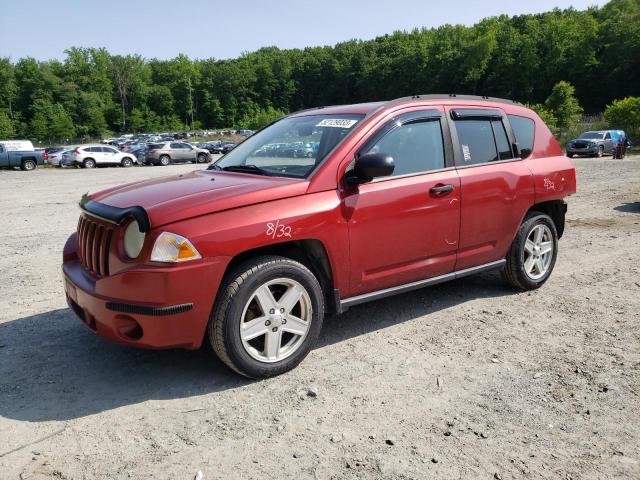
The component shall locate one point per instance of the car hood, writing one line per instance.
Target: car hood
(179, 197)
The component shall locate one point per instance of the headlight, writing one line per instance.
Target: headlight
(133, 239)
(170, 247)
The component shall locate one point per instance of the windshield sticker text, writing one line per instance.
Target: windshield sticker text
(337, 123)
(278, 230)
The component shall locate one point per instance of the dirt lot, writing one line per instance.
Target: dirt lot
(464, 380)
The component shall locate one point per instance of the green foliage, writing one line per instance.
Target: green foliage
(546, 115)
(7, 130)
(564, 106)
(625, 115)
(260, 118)
(556, 61)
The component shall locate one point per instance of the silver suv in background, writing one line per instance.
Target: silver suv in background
(176, 152)
(90, 156)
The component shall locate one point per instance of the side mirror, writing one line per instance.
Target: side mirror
(370, 166)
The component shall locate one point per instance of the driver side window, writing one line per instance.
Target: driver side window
(415, 146)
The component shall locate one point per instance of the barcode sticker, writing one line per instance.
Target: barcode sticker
(337, 123)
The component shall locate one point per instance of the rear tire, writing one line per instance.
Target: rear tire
(89, 163)
(165, 160)
(126, 162)
(28, 165)
(529, 262)
(270, 347)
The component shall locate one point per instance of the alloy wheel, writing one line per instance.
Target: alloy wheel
(538, 251)
(276, 320)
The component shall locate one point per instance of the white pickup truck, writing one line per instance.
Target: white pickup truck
(20, 153)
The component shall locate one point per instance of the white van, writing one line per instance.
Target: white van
(17, 145)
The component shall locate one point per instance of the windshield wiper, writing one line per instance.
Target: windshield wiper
(246, 169)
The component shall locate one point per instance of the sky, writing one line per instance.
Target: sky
(162, 29)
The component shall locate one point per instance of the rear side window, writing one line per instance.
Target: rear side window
(415, 147)
(482, 141)
(476, 141)
(523, 129)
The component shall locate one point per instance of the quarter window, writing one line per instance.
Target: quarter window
(523, 130)
(415, 147)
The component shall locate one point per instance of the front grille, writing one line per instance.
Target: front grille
(94, 240)
(580, 145)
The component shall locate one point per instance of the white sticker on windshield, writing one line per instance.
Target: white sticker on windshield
(337, 123)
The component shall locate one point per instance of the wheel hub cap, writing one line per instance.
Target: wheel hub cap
(275, 320)
(538, 251)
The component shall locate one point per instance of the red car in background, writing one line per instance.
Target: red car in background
(254, 251)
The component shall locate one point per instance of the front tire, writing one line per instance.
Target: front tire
(533, 252)
(600, 151)
(201, 158)
(126, 162)
(267, 317)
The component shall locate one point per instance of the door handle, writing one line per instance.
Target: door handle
(441, 189)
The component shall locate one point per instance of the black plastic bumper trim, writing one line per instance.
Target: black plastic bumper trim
(152, 311)
(115, 215)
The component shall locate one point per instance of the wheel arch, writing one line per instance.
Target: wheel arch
(309, 252)
(556, 209)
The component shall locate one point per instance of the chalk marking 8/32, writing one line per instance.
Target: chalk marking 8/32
(278, 230)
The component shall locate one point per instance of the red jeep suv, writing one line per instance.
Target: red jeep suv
(252, 252)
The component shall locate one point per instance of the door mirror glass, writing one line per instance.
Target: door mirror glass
(370, 166)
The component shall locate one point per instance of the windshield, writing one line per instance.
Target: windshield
(292, 147)
(597, 135)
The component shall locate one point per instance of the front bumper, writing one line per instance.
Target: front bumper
(146, 306)
(591, 150)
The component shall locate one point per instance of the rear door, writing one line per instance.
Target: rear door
(497, 187)
(96, 153)
(404, 227)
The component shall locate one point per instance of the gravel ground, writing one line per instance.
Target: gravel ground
(463, 380)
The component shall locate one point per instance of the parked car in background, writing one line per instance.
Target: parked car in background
(228, 146)
(176, 152)
(20, 153)
(594, 143)
(66, 159)
(91, 156)
(54, 155)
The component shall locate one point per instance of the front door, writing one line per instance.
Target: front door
(404, 227)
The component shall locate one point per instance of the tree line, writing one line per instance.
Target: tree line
(91, 93)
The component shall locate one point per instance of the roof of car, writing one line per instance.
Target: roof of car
(370, 107)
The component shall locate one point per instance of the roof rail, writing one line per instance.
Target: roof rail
(460, 97)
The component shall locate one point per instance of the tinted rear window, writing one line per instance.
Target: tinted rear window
(476, 141)
(523, 129)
